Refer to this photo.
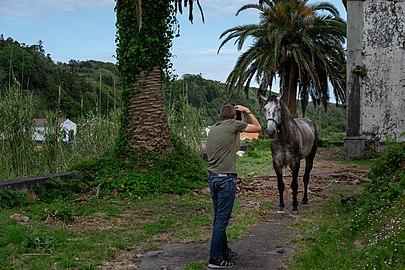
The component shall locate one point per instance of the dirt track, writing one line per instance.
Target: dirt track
(263, 248)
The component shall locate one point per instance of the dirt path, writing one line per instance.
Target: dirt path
(264, 247)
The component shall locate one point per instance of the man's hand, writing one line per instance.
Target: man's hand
(254, 125)
(242, 109)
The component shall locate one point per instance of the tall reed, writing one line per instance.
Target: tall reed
(53, 145)
(21, 157)
(187, 122)
(95, 135)
(18, 155)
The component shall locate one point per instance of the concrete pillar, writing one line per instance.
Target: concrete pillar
(354, 143)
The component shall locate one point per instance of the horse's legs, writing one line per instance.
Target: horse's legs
(308, 167)
(309, 162)
(295, 167)
(280, 184)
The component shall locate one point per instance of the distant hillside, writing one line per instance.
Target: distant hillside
(80, 86)
(206, 94)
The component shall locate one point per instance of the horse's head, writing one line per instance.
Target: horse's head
(272, 110)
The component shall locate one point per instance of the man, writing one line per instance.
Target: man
(221, 149)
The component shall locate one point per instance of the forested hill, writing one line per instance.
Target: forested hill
(81, 86)
(94, 86)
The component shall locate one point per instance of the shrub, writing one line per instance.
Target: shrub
(387, 181)
(378, 215)
(176, 172)
(56, 188)
(14, 198)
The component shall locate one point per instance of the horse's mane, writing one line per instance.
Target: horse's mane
(284, 109)
(285, 119)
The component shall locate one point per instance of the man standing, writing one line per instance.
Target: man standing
(221, 149)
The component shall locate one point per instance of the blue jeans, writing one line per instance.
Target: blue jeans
(222, 191)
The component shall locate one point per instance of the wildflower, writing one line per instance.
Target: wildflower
(122, 185)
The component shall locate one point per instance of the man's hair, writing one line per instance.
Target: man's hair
(228, 111)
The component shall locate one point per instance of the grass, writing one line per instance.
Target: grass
(82, 234)
(328, 234)
(103, 228)
(100, 230)
(319, 237)
(368, 234)
(251, 163)
(67, 234)
(257, 160)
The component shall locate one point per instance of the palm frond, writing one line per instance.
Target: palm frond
(299, 42)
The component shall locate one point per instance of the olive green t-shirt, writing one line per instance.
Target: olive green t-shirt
(221, 145)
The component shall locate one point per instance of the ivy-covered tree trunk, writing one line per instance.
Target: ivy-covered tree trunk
(143, 55)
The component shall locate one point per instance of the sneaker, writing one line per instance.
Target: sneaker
(221, 264)
(231, 255)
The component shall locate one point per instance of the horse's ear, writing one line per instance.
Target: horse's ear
(278, 98)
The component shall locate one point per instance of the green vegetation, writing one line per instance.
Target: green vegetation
(21, 157)
(84, 230)
(78, 87)
(257, 160)
(82, 235)
(331, 124)
(368, 234)
(181, 170)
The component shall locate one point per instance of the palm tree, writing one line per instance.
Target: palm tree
(302, 44)
(144, 37)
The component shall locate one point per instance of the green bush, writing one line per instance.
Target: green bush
(41, 241)
(378, 215)
(56, 188)
(387, 183)
(367, 233)
(176, 172)
(14, 198)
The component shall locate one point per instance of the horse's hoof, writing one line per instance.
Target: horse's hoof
(280, 213)
(305, 207)
(295, 212)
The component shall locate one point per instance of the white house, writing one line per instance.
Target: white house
(68, 126)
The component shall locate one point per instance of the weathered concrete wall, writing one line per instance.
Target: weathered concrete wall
(383, 93)
(375, 74)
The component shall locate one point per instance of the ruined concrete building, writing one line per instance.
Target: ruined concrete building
(375, 75)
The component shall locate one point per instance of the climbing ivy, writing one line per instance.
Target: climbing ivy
(139, 50)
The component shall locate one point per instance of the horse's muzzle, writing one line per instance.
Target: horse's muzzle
(271, 132)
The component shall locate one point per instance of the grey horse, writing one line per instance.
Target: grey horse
(293, 139)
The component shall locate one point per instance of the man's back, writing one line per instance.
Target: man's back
(221, 145)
